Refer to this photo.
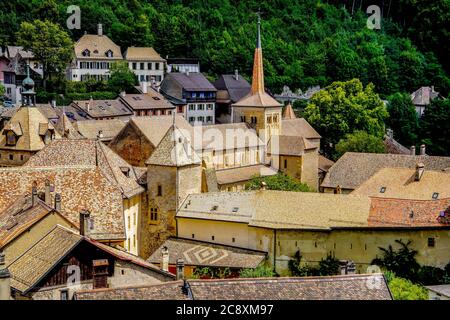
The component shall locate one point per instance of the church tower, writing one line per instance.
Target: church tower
(258, 109)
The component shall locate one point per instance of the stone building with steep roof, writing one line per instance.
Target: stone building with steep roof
(85, 152)
(313, 225)
(27, 132)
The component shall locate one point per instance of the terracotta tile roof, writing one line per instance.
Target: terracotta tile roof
(87, 152)
(229, 136)
(348, 287)
(30, 267)
(174, 150)
(65, 127)
(245, 173)
(205, 254)
(36, 262)
(110, 128)
(394, 147)
(142, 54)
(150, 100)
(298, 127)
(20, 216)
(324, 163)
(289, 112)
(155, 128)
(163, 291)
(28, 123)
(423, 96)
(401, 183)
(258, 100)
(98, 46)
(81, 188)
(443, 289)
(385, 212)
(103, 108)
(352, 169)
(289, 145)
(279, 209)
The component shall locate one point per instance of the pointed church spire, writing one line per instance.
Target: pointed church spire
(258, 69)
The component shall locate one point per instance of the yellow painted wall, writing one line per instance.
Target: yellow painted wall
(132, 215)
(361, 246)
(29, 237)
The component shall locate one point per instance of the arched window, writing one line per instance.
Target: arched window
(109, 54)
(11, 138)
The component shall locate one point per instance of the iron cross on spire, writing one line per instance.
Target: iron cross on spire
(258, 39)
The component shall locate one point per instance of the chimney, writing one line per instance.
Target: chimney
(165, 259)
(420, 168)
(100, 29)
(390, 133)
(144, 87)
(187, 73)
(84, 222)
(123, 94)
(422, 150)
(413, 150)
(58, 202)
(100, 134)
(432, 89)
(34, 194)
(100, 273)
(5, 279)
(180, 269)
(47, 198)
(53, 103)
(236, 74)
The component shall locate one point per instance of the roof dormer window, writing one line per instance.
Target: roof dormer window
(109, 54)
(95, 51)
(86, 53)
(11, 138)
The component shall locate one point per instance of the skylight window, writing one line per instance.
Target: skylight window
(214, 208)
(235, 209)
(383, 190)
(435, 195)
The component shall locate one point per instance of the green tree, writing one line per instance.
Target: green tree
(402, 261)
(122, 78)
(360, 141)
(435, 128)
(279, 181)
(403, 289)
(50, 45)
(403, 119)
(259, 272)
(343, 108)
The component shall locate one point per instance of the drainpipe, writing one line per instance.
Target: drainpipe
(274, 250)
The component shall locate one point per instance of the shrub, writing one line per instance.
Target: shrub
(403, 289)
(326, 267)
(279, 181)
(259, 272)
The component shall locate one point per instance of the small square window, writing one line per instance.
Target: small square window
(383, 190)
(193, 236)
(212, 238)
(435, 195)
(233, 240)
(64, 294)
(431, 242)
(11, 157)
(159, 190)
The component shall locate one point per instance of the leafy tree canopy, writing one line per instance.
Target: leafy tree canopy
(122, 78)
(343, 108)
(360, 141)
(50, 44)
(279, 181)
(403, 118)
(435, 127)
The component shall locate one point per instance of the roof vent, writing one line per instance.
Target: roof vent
(420, 168)
(235, 209)
(435, 195)
(214, 208)
(383, 190)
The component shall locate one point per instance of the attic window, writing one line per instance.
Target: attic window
(96, 51)
(383, 190)
(125, 171)
(109, 54)
(156, 98)
(86, 53)
(235, 209)
(11, 138)
(435, 195)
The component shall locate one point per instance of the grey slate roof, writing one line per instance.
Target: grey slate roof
(237, 89)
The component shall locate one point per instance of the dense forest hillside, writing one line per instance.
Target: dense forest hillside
(306, 42)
